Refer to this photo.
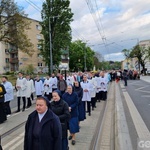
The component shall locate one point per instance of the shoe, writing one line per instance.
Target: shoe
(73, 142)
(70, 137)
(89, 114)
(92, 108)
(8, 115)
(95, 106)
(23, 109)
(17, 111)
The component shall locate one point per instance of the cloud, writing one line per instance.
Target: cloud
(114, 57)
(119, 22)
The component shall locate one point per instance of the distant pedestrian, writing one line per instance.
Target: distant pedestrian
(54, 81)
(29, 90)
(48, 87)
(103, 86)
(39, 88)
(87, 88)
(43, 128)
(72, 100)
(62, 85)
(21, 85)
(125, 77)
(9, 96)
(61, 109)
(2, 106)
(81, 105)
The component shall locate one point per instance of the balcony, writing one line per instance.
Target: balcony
(13, 60)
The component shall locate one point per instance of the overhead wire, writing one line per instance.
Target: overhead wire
(97, 21)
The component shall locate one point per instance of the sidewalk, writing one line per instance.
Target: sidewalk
(145, 78)
(83, 138)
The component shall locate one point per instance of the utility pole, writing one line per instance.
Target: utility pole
(85, 60)
(50, 47)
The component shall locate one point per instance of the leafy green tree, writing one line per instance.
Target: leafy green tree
(57, 16)
(13, 26)
(142, 54)
(78, 53)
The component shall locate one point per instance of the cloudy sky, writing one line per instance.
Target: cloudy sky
(107, 26)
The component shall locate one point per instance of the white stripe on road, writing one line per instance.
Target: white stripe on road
(16, 145)
(14, 140)
(140, 126)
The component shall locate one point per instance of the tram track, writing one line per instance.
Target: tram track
(104, 133)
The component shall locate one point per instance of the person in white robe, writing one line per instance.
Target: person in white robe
(9, 96)
(39, 88)
(54, 81)
(93, 82)
(48, 87)
(21, 85)
(87, 88)
(103, 86)
(29, 90)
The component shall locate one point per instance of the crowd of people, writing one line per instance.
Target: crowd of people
(62, 102)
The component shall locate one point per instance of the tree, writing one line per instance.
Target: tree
(142, 54)
(13, 26)
(78, 53)
(126, 53)
(57, 16)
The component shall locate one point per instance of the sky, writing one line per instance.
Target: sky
(107, 26)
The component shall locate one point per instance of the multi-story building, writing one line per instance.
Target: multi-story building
(12, 59)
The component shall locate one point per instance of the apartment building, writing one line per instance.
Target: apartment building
(12, 59)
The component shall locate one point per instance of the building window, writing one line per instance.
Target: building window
(40, 64)
(38, 27)
(38, 36)
(7, 60)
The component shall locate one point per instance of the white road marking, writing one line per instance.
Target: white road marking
(20, 136)
(16, 144)
(140, 126)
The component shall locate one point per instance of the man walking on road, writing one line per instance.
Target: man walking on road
(125, 76)
(21, 85)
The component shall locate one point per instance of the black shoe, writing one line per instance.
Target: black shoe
(70, 137)
(92, 108)
(17, 111)
(23, 109)
(89, 114)
(95, 106)
(73, 142)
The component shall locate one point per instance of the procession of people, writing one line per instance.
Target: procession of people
(65, 101)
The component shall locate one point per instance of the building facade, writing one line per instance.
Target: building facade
(133, 64)
(12, 59)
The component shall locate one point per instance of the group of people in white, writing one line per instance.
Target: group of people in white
(96, 84)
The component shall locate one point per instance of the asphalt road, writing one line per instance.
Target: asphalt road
(139, 92)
